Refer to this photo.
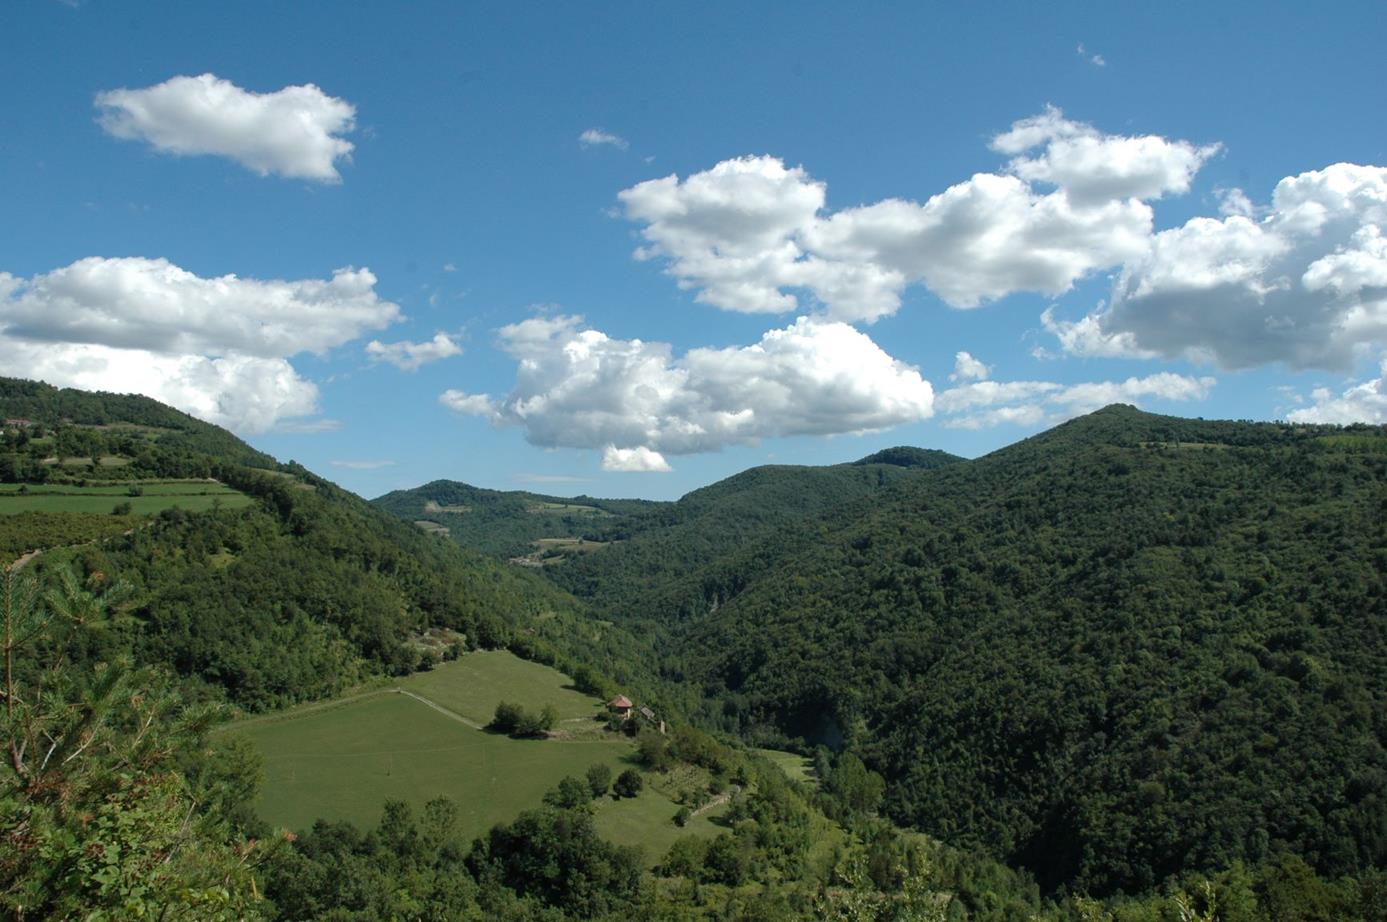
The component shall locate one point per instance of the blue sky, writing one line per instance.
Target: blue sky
(225, 205)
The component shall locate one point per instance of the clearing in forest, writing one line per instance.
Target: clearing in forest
(341, 761)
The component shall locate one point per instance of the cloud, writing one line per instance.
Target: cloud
(579, 388)
(214, 347)
(137, 303)
(1361, 403)
(750, 232)
(362, 465)
(468, 404)
(1304, 284)
(243, 393)
(633, 459)
(1087, 337)
(524, 477)
(293, 132)
(967, 368)
(1094, 168)
(1097, 60)
(596, 137)
(308, 426)
(983, 404)
(408, 356)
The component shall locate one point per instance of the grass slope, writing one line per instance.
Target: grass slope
(342, 760)
(342, 763)
(473, 685)
(197, 496)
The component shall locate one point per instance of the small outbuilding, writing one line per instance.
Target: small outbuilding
(620, 706)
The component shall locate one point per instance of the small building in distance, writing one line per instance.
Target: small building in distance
(620, 706)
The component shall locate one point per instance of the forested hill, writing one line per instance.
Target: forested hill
(683, 558)
(255, 581)
(137, 419)
(658, 561)
(1120, 650)
(504, 523)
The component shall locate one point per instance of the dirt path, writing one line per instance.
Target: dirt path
(440, 709)
(300, 711)
(19, 563)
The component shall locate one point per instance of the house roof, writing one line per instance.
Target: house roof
(647, 713)
(620, 701)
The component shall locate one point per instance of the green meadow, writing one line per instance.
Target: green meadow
(474, 684)
(342, 760)
(155, 496)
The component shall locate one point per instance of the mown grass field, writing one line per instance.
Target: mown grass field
(342, 763)
(343, 760)
(156, 496)
(473, 686)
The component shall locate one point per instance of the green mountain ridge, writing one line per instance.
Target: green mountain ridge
(1122, 649)
(1128, 647)
(305, 591)
(1133, 654)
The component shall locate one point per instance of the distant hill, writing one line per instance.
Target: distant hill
(504, 524)
(906, 456)
(1125, 648)
(682, 559)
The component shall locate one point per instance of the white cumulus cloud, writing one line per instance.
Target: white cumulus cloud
(1302, 282)
(579, 388)
(214, 347)
(639, 458)
(749, 233)
(1365, 402)
(596, 137)
(982, 404)
(409, 356)
(243, 393)
(967, 368)
(293, 132)
(468, 404)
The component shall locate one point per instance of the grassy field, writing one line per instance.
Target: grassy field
(342, 763)
(193, 495)
(796, 766)
(473, 686)
(342, 760)
(648, 821)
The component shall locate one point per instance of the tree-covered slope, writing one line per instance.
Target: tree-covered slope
(505, 523)
(294, 596)
(1129, 647)
(682, 559)
(85, 416)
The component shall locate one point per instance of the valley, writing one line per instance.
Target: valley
(1130, 661)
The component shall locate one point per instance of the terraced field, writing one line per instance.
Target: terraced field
(155, 496)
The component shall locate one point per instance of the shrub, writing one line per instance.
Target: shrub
(628, 783)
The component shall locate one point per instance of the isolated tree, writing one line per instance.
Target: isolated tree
(628, 783)
(508, 717)
(571, 794)
(599, 779)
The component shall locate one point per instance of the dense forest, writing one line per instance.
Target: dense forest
(1130, 669)
(1131, 647)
